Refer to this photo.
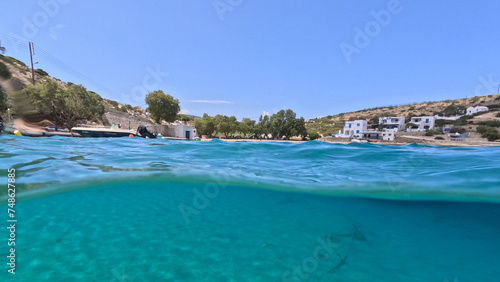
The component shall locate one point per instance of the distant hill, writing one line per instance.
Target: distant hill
(333, 123)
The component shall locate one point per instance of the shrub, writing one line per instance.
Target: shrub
(113, 103)
(457, 129)
(3, 100)
(488, 132)
(41, 72)
(431, 132)
(453, 110)
(4, 71)
(411, 125)
(492, 123)
(498, 115)
(463, 120)
(482, 129)
(314, 135)
(123, 109)
(439, 138)
(13, 61)
(491, 134)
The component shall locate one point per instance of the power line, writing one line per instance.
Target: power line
(23, 44)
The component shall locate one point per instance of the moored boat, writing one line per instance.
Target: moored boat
(458, 136)
(90, 131)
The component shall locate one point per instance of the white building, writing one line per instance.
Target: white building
(392, 122)
(422, 123)
(176, 130)
(386, 134)
(473, 110)
(354, 128)
(447, 118)
(185, 131)
(389, 134)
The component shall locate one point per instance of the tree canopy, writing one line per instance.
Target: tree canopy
(285, 124)
(162, 106)
(282, 124)
(205, 125)
(65, 105)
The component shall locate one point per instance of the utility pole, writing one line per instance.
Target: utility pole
(32, 53)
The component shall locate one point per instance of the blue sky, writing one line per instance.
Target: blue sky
(243, 58)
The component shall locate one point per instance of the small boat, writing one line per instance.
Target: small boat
(88, 131)
(458, 136)
(113, 131)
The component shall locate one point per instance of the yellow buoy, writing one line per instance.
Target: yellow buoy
(17, 132)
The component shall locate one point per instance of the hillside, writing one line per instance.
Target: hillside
(19, 76)
(332, 124)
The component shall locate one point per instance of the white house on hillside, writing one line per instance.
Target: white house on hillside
(355, 128)
(473, 110)
(389, 134)
(422, 123)
(392, 122)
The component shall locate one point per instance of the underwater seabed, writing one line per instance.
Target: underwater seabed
(168, 232)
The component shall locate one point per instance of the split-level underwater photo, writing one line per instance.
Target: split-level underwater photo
(249, 141)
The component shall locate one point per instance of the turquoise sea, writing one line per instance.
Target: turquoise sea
(132, 209)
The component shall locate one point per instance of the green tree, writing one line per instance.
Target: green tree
(246, 126)
(64, 106)
(314, 135)
(453, 110)
(226, 125)
(183, 117)
(205, 125)
(299, 128)
(263, 128)
(285, 124)
(162, 106)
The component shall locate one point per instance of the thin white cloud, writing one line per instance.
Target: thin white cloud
(211, 101)
(184, 112)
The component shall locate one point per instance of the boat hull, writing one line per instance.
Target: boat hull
(92, 132)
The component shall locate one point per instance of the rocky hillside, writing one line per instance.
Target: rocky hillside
(20, 76)
(332, 124)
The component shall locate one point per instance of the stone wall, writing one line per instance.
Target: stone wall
(122, 118)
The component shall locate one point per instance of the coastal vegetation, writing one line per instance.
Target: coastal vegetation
(283, 124)
(162, 106)
(488, 132)
(4, 71)
(432, 132)
(65, 106)
(313, 135)
(3, 100)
